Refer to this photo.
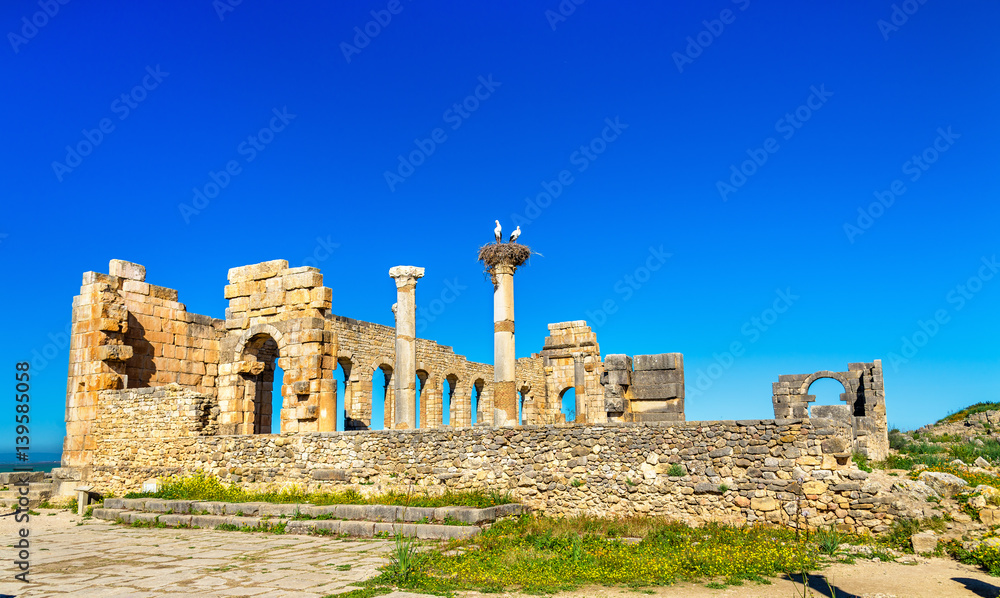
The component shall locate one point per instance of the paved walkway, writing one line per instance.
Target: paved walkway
(93, 558)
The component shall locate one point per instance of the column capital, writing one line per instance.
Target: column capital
(406, 275)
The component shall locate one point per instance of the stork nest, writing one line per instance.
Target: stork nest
(513, 254)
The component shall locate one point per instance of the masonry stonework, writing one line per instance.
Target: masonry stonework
(155, 390)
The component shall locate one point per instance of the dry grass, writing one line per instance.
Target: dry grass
(495, 254)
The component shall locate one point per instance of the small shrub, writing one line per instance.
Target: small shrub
(828, 541)
(676, 471)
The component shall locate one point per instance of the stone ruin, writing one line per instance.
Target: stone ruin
(129, 334)
(863, 411)
(154, 390)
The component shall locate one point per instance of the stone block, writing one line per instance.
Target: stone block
(657, 392)
(244, 508)
(361, 529)
(382, 512)
(657, 377)
(411, 514)
(305, 280)
(319, 511)
(764, 504)
(924, 542)
(280, 510)
(130, 270)
(330, 525)
(257, 271)
(406, 529)
(661, 361)
(358, 512)
(945, 484)
(446, 532)
(208, 521)
(617, 362)
(175, 520)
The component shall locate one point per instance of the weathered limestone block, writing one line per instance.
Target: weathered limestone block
(123, 269)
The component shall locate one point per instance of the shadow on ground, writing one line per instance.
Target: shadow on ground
(819, 585)
(978, 587)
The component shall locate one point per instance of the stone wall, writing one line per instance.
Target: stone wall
(736, 471)
(169, 411)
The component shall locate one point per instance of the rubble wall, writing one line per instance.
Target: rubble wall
(735, 471)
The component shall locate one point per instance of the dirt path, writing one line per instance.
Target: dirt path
(929, 578)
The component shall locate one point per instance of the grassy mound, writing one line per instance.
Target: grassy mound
(971, 409)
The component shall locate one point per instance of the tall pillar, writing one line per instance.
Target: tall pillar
(580, 387)
(505, 393)
(404, 374)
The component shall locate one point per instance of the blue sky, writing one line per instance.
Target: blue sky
(738, 147)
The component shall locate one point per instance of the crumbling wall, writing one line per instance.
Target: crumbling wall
(572, 359)
(646, 388)
(151, 414)
(130, 334)
(864, 408)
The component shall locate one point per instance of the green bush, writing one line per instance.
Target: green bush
(676, 471)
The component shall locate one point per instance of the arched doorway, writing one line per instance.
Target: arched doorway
(567, 401)
(257, 371)
(477, 396)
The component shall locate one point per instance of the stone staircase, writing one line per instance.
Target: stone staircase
(366, 521)
(40, 488)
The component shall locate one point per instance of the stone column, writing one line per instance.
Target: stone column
(505, 394)
(404, 374)
(580, 387)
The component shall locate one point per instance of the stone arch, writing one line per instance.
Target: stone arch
(863, 410)
(450, 402)
(477, 394)
(255, 330)
(258, 356)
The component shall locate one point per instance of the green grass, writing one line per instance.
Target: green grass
(202, 487)
(536, 554)
(975, 408)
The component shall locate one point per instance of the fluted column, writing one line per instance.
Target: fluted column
(404, 374)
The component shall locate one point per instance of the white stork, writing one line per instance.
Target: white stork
(514, 235)
(498, 231)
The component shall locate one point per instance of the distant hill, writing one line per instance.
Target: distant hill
(964, 413)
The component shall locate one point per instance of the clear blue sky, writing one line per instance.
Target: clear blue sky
(840, 107)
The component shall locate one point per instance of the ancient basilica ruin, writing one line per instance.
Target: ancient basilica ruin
(156, 390)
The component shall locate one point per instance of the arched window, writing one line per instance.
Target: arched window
(568, 403)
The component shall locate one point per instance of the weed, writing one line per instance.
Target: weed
(676, 471)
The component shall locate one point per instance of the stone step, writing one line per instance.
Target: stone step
(379, 513)
(12, 498)
(9, 477)
(336, 527)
